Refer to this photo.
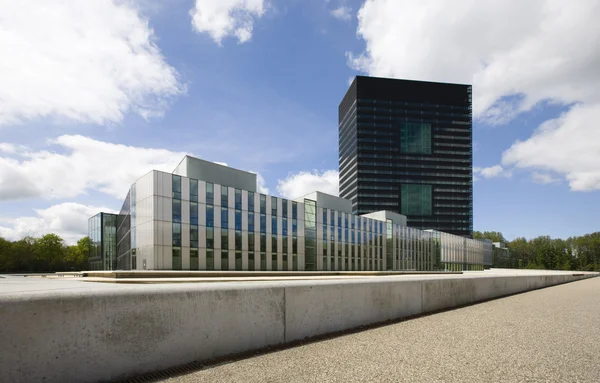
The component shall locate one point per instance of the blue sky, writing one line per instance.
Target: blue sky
(94, 96)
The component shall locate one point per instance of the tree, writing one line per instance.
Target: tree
(50, 251)
(494, 236)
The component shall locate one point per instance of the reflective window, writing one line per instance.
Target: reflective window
(210, 216)
(224, 196)
(263, 204)
(238, 240)
(176, 259)
(310, 234)
(210, 259)
(250, 201)
(324, 216)
(193, 259)
(238, 199)
(210, 238)
(250, 222)
(274, 225)
(284, 208)
(415, 199)
(263, 223)
(193, 213)
(238, 220)
(176, 186)
(294, 210)
(415, 138)
(176, 208)
(251, 244)
(224, 218)
(284, 226)
(193, 190)
(274, 206)
(177, 234)
(193, 236)
(224, 239)
(210, 193)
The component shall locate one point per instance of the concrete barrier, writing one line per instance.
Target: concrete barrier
(89, 336)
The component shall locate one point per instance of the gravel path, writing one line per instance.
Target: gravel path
(549, 335)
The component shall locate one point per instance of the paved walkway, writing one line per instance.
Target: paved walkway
(549, 335)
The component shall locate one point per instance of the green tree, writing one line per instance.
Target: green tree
(50, 252)
(494, 236)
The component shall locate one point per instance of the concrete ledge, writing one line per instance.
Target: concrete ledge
(124, 330)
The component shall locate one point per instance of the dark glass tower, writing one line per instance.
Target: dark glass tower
(407, 146)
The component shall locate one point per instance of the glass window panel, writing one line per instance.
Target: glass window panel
(194, 259)
(224, 196)
(238, 220)
(210, 193)
(210, 259)
(250, 201)
(210, 216)
(210, 237)
(238, 199)
(176, 234)
(415, 199)
(176, 206)
(176, 259)
(193, 236)
(263, 204)
(415, 138)
(176, 186)
(193, 190)
(224, 239)
(250, 221)
(193, 213)
(224, 218)
(284, 208)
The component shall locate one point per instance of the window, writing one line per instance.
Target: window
(210, 259)
(250, 222)
(263, 204)
(238, 220)
(295, 245)
(177, 234)
(294, 226)
(274, 225)
(251, 260)
(176, 205)
(193, 236)
(224, 218)
(210, 216)
(415, 138)
(238, 240)
(224, 260)
(274, 206)
(193, 213)
(294, 210)
(274, 244)
(210, 238)
(194, 191)
(250, 201)
(251, 245)
(224, 239)
(284, 208)
(324, 216)
(224, 196)
(284, 245)
(263, 223)
(310, 234)
(331, 217)
(238, 260)
(194, 259)
(284, 226)
(339, 220)
(238, 199)
(210, 193)
(263, 242)
(176, 186)
(176, 259)
(415, 199)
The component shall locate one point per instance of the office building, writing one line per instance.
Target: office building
(206, 216)
(406, 146)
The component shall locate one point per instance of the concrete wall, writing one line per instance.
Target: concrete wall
(86, 336)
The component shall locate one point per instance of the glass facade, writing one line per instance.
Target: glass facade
(102, 231)
(394, 133)
(194, 228)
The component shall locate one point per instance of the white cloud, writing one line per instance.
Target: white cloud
(225, 18)
(261, 184)
(543, 178)
(537, 49)
(85, 164)
(68, 220)
(568, 146)
(302, 183)
(86, 61)
(491, 172)
(343, 13)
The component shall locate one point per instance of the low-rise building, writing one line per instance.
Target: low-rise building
(206, 216)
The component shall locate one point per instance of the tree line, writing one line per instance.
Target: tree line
(574, 253)
(48, 253)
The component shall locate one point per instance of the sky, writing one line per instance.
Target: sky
(95, 94)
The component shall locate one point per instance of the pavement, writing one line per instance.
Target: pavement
(548, 335)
